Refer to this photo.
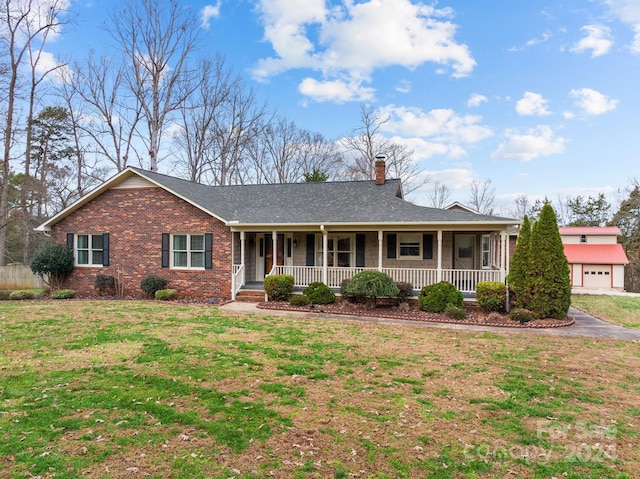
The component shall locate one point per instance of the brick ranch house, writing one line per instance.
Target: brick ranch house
(215, 241)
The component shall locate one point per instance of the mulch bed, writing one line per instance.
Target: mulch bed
(411, 312)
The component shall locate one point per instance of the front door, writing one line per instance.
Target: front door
(464, 252)
(268, 252)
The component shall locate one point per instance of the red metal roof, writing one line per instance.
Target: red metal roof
(595, 254)
(589, 230)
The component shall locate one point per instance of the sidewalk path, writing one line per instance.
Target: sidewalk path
(585, 325)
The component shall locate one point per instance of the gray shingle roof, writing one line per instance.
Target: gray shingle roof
(328, 203)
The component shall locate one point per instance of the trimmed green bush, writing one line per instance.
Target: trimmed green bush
(522, 315)
(434, 298)
(352, 298)
(455, 312)
(278, 287)
(105, 284)
(53, 263)
(21, 295)
(63, 294)
(319, 293)
(4, 294)
(152, 283)
(299, 300)
(520, 274)
(372, 285)
(491, 296)
(166, 294)
(405, 291)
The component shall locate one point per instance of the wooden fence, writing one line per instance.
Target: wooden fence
(19, 276)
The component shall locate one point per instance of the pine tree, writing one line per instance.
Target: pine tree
(550, 287)
(519, 269)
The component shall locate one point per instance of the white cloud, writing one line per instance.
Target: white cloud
(338, 91)
(532, 104)
(476, 100)
(404, 86)
(628, 11)
(597, 40)
(593, 102)
(423, 149)
(441, 125)
(208, 13)
(535, 142)
(355, 38)
(55, 70)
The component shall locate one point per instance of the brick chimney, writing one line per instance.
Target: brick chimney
(380, 172)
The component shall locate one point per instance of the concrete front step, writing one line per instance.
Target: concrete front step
(250, 296)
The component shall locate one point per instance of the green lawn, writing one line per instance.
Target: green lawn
(140, 389)
(620, 310)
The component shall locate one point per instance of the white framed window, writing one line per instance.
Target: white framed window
(409, 246)
(486, 251)
(583, 238)
(89, 250)
(340, 250)
(187, 251)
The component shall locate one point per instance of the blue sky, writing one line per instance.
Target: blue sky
(540, 97)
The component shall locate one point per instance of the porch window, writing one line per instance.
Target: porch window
(340, 251)
(409, 246)
(187, 251)
(89, 249)
(486, 251)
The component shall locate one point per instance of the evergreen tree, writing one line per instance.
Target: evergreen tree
(520, 267)
(550, 286)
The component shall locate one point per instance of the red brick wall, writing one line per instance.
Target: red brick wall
(135, 219)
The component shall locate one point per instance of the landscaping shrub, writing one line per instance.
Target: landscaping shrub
(152, 283)
(166, 294)
(520, 268)
(491, 296)
(405, 291)
(319, 293)
(352, 298)
(434, 298)
(53, 262)
(455, 312)
(521, 314)
(20, 295)
(278, 287)
(63, 294)
(105, 284)
(4, 294)
(299, 300)
(372, 285)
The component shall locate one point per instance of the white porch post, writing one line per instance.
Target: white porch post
(325, 255)
(503, 256)
(274, 251)
(439, 271)
(380, 238)
(242, 249)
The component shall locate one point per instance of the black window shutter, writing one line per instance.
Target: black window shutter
(70, 240)
(311, 249)
(360, 238)
(105, 249)
(391, 245)
(427, 246)
(208, 251)
(165, 250)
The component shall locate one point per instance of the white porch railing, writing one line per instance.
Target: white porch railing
(464, 279)
(237, 279)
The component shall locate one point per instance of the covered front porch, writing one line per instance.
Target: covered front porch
(420, 258)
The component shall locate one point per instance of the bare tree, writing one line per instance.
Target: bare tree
(110, 116)
(482, 196)
(439, 195)
(521, 207)
(157, 39)
(366, 142)
(24, 23)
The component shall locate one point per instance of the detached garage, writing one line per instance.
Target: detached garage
(596, 260)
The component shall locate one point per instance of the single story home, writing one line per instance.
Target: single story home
(596, 259)
(215, 241)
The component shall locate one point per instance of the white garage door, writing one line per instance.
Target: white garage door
(597, 276)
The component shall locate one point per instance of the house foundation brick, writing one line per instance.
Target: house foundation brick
(135, 219)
